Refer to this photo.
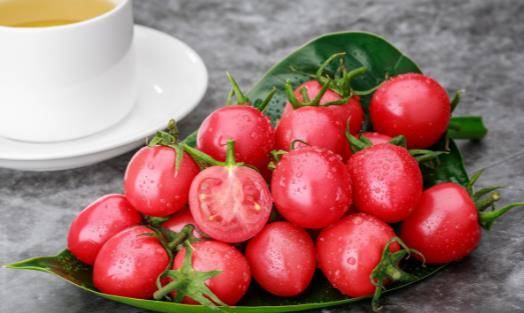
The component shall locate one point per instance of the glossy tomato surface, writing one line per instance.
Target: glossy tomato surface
(248, 127)
(349, 250)
(311, 187)
(153, 185)
(444, 227)
(386, 181)
(230, 203)
(129, 264)
(316, 126)
(98, 222)
(233, 281)
(177, 222)
(412, 105)
(282, 259)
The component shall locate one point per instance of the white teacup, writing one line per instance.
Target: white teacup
(64, 82)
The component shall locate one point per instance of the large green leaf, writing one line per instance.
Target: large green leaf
(320, 294)
(362, 49)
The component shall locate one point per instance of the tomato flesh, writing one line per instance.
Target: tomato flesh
(233, 281)
(231, 203)
(98, 222)
(376, 138)
(154, 186)
(349, 250)
(282, 259)
(412, 105)
(444, 227)
(129, 264)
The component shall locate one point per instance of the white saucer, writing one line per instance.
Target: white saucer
(172, 81)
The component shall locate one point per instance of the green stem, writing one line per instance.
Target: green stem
(456, 100)
(326, 63)
(181, 237)
(202, 159)
(483, 204)
(355, 143)
(241, 98)
(263, 106)
(487, 218)
(399, 141)
(230, 153)
(467, 127)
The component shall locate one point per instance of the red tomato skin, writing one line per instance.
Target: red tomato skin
(317, 126)
(349, 250)
(233, 281)
(177, 222)
(376, 138)
(129, 264)
(98, 222)
(214, 203)
(154, 186)
(387, 182)
(282, 259)
(412, 105)
(248, 127)
(444, 227)
(311, 187)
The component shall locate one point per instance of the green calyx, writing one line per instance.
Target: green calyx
(170, 241)
(342, 77)
(485, 199)
(204, 160)
(242, 99)
(421, 155)
(276, 156)
(388, 269)
(187, 282)
(169, 138)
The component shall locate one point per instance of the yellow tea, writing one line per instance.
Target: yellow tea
(43, 13)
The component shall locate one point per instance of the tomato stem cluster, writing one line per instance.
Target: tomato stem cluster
(388, 269)
(485, 200)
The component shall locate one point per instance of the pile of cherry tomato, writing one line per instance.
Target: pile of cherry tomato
(273, 204)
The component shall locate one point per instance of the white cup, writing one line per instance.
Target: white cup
(64, 82)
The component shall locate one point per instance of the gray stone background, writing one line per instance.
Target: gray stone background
(475, 45)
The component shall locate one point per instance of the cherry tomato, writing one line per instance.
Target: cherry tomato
(248, 127)
(311, 187)
(233, 281)
(282, 259)
(313, 87)
(376, 138)
(412, 105)
(153, 185)
(349, 250)
(387, 182)
(315, 125)
(230, 203)
(129, 264)
(177, 222)
(444, 227)
(98, 222)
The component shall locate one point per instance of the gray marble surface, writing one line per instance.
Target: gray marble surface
(474, 45)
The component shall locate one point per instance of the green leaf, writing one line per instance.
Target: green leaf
(320, 295)
(382, 60)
